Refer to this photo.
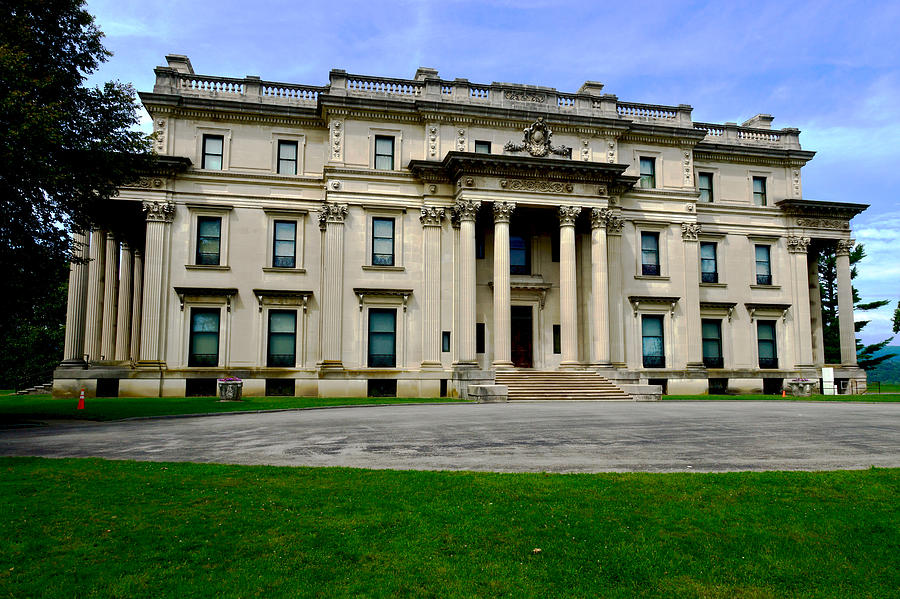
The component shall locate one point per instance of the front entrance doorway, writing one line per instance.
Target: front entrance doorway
(522, 341)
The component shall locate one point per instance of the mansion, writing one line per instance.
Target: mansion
(410, 237)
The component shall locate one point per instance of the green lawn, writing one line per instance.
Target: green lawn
(94, 528)
(31, 407)
(874, 397)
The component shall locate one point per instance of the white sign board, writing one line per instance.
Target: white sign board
(828, 381)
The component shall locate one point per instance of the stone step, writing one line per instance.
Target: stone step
(559, 385)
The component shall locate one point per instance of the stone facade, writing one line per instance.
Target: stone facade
(414, 236)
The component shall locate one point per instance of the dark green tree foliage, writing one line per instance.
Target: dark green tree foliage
(867, 356)
(64, 149)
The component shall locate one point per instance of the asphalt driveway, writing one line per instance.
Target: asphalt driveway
(529, 436)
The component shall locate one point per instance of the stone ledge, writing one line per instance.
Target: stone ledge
(643, 392)
(488, 393)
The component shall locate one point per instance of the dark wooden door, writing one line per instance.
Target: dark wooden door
(522, 340)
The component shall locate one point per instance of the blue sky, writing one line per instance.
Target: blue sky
(827, 68)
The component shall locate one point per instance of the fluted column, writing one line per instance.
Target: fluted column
(432, 220)
(331, 221)
(502, 310)
(110, 299)
(845, 302)
(159, 219)
(614, 226)
(77, 301)
(135, 349)
(568, 295)
(123, 319)
(815, 307)
(803, 342)
(466, 211)
(691, 305)
(599, 288)
(94, 310)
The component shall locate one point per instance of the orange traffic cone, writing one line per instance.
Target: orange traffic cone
(81, 400)
(782, 393)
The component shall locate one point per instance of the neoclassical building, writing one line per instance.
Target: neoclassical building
(413, 236)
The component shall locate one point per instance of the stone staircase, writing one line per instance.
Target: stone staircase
(37, 389)
(556, 384)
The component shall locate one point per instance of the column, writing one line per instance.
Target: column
(135, 350)
(614, 226)
(159, 219)
(815, 307)
(432, 220)
(94, 310)
(467, 210)
(502, 329)
(77, 301)
(845, 302)
(123, 320)
(331, 221)
(797, 247)
(691, 305)
(110, 299)
(568, 298)
(599, 288)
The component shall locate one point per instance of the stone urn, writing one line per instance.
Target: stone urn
(230, 389)
(800, 387)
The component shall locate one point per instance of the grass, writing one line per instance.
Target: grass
(37, 407)
(95, 528)
(885, 397)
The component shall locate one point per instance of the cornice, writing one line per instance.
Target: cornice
(819, 209)
(712, 152)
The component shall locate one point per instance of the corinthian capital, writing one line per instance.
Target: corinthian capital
(432, 216)
(467, 209)
(798, 245)
(502, 211)
(332, 213)
(568, 214)
(690, 231)
(159, 211)
(844, 247)
(599, 217)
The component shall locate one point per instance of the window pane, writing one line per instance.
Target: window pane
(383, 246)
(708, 251)
(381, 321)
(384, 145)
(649, 241)
(711, 348)
(282, 322)
(284, 248)
(206, 321)
(383, 227)
(765, 330)
(205, 343)
(653, 346)
(647, 166)
(209, 245)
(209, 227)
(213, 144)
(285, 230)
(287, 150)
(287, 167)
(281, 344)
(759, 185)
(652, 325)
(762, 253)
(482, 147)
(711, 330)
(213, 163)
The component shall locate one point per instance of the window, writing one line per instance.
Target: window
(287, 157)
(445, 341)
(284, 250)
(382, 242)
(648, 173)
(712, 343)
(519, 258)
(705, 183)
(204, 342)
(766, 346)
(209, 240)
(652, 342)
(384, 152)
(479, 337)
(759, 191)
(282, 338)
(482, 147)
(763, 265)
(382, 337)
(709, 271)
(213, 147)
(557, 339)
(650, 254)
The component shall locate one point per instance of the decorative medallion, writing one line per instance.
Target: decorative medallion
(432, 216)
(798, 245)
(537, 142)
(690, 231)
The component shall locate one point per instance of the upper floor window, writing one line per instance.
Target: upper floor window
(705, 183)
(650, 253)
(712, 343)
(652, 345)
(709, 270)
(384, 152)
(284, 250)
(766, 346)
(209, 240)
(204, 338)
(519, 262)
(482, 147)
(763, 265)
(759, 191)
(382, 242)
(213, 149)
(282, 346)
(287, 157)
(648, 172)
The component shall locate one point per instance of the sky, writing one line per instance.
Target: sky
(830, 69)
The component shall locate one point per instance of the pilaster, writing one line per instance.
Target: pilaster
(691, 306)
(845, 302)
(568, 293)
(77, 301)
(331, 221)
(502, 311)
(432, 220)
(599, 288)
(803, 355)
(135, 349)
(614, 226)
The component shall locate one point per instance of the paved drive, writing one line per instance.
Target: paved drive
(529, 436)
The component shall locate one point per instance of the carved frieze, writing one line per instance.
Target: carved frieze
(687, 168)
(797, 245)
(332, 213)
(823, 223)
(523, 96)
(432, 137)
(690, 231)
(461, 144)
(502, 211)
(586, 150)
(159, 211)
(432, 216)
(467, 209)
(611, 151)
(159, 136)
(568, 214)
(600, 217)
(796, 182)
(844, 247)
(537, 142)
(536, 186)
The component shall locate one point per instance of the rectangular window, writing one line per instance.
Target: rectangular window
(519, 256)
(650, 254)
(445, 341)
(479, 337)
(759, 191)
(712, 343)
(766, 346)
(213, 146)
(384, 152)
(705, 183)
(763, 265)
(709, 269)
(648, 173)
(382, 242)
(557, 339)
(284, 250)
(282, 338)
(482, 147)
(209, 239)
(204, 342)
(652, 342)
(287, 157)
(383, 337)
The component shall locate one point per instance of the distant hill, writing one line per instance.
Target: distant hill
(889, 370)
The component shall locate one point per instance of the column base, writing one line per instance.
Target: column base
(695, 366)
(330, 365)
(431, 366)
(73, 363)
(465, 365)
(503, 364)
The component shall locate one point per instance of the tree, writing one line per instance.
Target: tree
(64, 149)
(865, 354)
(896, 327)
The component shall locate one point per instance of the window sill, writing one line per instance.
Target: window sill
(383, 268)
(652, 277)
(754, 286)
(300, 271)
(713, 285)
(207, 267)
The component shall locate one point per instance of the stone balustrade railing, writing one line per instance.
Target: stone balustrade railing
(734, 134)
